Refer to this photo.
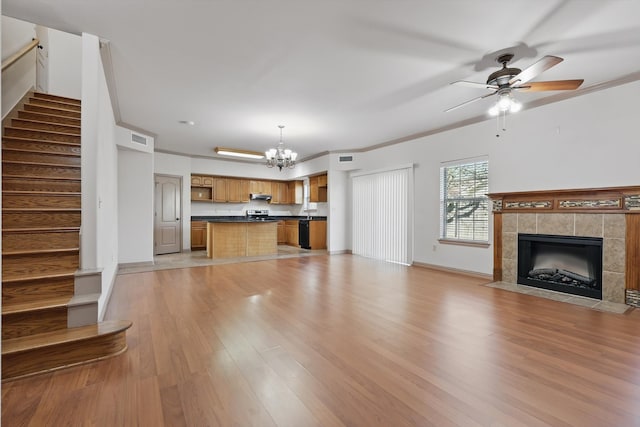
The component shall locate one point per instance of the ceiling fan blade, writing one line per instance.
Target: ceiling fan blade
(475, 85)
(550, 85)
(535, 69)
(470, 101)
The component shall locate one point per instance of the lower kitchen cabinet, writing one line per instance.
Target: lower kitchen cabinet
(291, 232)
(282, 235)
(318, 234)
(198, 235)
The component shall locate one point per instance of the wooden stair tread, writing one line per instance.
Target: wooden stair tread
(38, 251)
(43, 304)
(41, 229)
(18, 162)
(46, 141)
(48, 116)
(48, 123)
(41, 209)
(48, 339)
(43, 95)
(37, 277)
(53, 153)
(42, 193)
(61, 178)
(54, 103)
(41, 131)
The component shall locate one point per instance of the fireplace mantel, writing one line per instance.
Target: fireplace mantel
(571, 210)
(598, 200)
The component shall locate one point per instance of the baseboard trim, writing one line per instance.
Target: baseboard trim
(341, 252)
(107, 299)
(135, 264)
(454, 270)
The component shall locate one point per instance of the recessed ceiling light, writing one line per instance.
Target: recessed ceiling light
(187, 122)
(238, 153)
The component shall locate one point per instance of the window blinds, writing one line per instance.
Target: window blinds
(381, 215)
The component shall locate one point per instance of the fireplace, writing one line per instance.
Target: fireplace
(566, 264)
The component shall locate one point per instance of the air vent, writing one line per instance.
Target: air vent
(139, 139)
(346, 158)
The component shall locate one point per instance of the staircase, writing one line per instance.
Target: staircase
(49, 308)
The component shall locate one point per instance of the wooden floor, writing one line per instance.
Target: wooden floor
(342, 341)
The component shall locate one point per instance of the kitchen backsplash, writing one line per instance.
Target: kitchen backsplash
(230, 209)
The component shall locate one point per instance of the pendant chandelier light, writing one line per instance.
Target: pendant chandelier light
(280, 156)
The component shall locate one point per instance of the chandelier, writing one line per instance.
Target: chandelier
(280, 156)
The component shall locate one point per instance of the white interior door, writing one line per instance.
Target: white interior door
(42, 60)
(168, 218)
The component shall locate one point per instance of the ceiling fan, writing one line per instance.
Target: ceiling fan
(507, 79)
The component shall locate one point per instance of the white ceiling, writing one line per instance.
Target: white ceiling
(340, 75)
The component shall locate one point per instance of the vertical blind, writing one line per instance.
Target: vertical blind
(381, 215)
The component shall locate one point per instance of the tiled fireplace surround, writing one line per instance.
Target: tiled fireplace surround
(610, 227)
(610, 213)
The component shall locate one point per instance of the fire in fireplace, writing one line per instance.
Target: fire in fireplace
(566, 264)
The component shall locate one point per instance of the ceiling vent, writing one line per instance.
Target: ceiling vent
(139, 139)
(346, 159)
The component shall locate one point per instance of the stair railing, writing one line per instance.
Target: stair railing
(19, 54)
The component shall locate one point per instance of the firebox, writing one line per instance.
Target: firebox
(566, 264)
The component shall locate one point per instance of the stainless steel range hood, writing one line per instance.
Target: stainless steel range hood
(266, 197)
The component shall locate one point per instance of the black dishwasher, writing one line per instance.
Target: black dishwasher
(303, 234)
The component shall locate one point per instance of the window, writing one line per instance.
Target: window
(464, 205)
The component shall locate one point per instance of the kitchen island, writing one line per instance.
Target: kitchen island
(239, 238)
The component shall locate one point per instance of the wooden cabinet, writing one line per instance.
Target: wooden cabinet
(220, 190)
(259, 187)
(318, 234)
(237, 190)
(291, 232)
(201, 188)
(286, 192)
(282, 235)
(198, 235)
(318, 188)
(296, 196)
(279, 193)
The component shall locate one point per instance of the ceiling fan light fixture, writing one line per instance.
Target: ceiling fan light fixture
(504, 101)
(515, 106)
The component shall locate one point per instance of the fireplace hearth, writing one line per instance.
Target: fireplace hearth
(568, 264)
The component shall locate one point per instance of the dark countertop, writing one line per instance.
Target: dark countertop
(244, 218)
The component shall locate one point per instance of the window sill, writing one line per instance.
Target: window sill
(464, 243)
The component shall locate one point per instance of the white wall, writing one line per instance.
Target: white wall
(18, 79)
(65, 64)
(99, 239)
(135, 206)
(583, 142)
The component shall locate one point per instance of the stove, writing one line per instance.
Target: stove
(257, 214)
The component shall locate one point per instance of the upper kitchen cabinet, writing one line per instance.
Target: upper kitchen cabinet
(318, 188)
(260, 187)
(237, 190)
(286, 193)
(296, 194)
(201, 188)
(220, 193)
(279, 193)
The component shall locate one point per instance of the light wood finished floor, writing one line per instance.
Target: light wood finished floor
(342, 341)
